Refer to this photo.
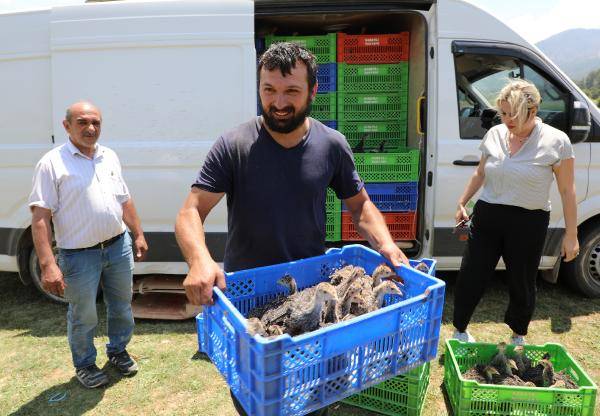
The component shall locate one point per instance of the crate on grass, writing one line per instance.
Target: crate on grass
(375, 106)
(388, 167)
(402, 226)
(365, 136)
(402, 395)
(401, 196)
(373, 49)
(469, 397)
(296, 375)
(372, 77)
(322, 46)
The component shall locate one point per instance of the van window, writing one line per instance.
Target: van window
(480, 78)
(553, 108)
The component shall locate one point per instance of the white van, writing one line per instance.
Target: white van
(171, 76)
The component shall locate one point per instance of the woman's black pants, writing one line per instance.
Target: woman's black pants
(518, 235)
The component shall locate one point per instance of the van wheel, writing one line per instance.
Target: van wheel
(583, 273)
(36, 276)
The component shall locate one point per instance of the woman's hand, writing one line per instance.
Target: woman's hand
(570, 247)
(461, 214)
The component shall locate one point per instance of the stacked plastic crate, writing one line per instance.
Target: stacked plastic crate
(372, 114)
(324, 107)
(324, 48)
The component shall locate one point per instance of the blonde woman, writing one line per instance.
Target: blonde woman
(520, 158)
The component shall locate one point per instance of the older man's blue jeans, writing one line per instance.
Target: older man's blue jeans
(83, 271)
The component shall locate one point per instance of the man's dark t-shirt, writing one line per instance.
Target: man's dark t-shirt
(276, 196)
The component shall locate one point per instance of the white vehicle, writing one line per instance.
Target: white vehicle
(170, 76)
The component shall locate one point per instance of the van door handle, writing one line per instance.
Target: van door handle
(466, 162)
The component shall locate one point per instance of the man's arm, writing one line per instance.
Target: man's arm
(370, 225)
(52, 277)
(204, 272)
(131, 219)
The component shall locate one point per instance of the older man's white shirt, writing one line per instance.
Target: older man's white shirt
(84, 194)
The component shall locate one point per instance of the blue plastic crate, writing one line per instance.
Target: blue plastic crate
(259, 44)
(331, 124)
(327, 77)
(296, 375)
(390, 197)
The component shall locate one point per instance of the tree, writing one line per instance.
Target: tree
(590, 84)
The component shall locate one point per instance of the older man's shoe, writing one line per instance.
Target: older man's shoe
(124, 363)
(91, 376)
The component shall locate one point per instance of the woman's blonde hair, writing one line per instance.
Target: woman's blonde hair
(522, 96)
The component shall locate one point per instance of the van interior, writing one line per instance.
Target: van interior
(376, 22)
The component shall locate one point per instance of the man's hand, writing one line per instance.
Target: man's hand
(52, 280)
(391, 252)
(140, 247)
(199, 282)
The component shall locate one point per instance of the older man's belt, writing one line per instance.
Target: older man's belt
(102, 245)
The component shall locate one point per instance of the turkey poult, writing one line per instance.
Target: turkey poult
(306, 316)
(563, 381)
(382, 272)
(422, 267)
(481, 373)
(542, 375)
(521, 360)
(343, 278)
(371, 299)
(335, 311)
(286, 281)
(500, 361)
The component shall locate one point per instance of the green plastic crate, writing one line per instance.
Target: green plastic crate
(471, 398)
(402, 395)
(324, 106)
(372, 78)
(333, 212)
(372, 106)
(322, 46)
(388, 167)
(373, 133)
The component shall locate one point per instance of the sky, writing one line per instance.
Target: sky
(535, 20)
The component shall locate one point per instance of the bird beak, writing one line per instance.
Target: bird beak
(395, 278)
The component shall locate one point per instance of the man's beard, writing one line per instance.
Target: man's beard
(287, 125)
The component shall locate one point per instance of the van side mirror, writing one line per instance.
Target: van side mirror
(581, 122)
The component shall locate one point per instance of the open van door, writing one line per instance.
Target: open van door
(476, 72)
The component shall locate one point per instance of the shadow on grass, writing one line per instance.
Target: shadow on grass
(69, 398)
(446, 399)
(43, 318)
(26, 310)
(555, 302)
(200, 356)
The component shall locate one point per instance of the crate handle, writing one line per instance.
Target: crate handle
(419, 126)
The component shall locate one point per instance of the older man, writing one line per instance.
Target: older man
(78, 186)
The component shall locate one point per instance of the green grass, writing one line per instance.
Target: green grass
(174, 380)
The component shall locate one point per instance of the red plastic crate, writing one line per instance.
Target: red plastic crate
(372, 49)
(402, 226)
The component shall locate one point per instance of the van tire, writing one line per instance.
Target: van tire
(583, 273)
(36, 277)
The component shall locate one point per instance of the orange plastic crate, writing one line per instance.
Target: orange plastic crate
(372, 49)
(402, 226)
